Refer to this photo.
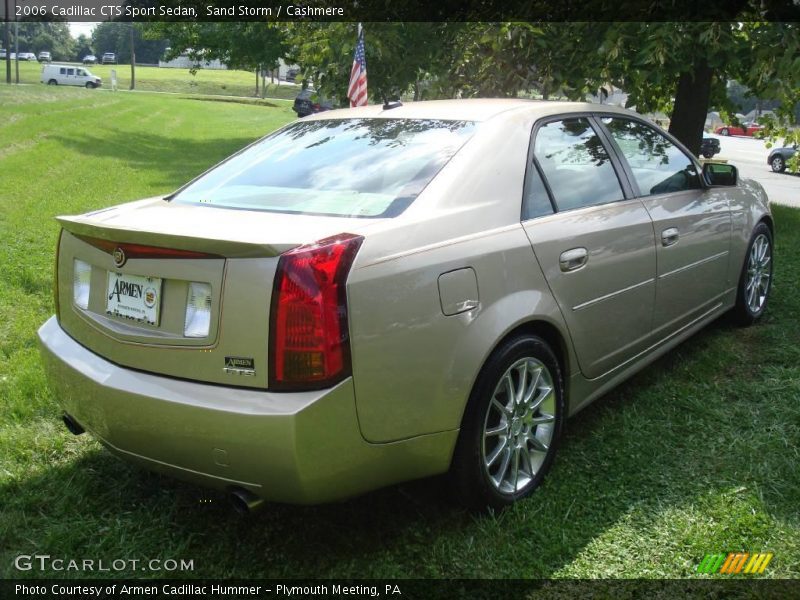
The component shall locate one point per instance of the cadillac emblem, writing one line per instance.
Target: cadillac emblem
(119, 256)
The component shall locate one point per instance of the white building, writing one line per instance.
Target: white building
(184, 61)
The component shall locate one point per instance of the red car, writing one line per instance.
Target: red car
(745, 129)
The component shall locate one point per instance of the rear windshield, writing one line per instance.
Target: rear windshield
(366, 168)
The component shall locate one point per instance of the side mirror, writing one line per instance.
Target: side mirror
(720, 174)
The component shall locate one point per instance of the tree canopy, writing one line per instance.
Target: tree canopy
(115, 37)
(679, 68)
(245, 45)
(53, 37)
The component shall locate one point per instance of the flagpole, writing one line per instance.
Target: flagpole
(357, 88)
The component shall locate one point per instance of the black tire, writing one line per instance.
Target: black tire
(89, 85)
(725, 131)
(474, 483)
(52, 82)
(746, 312)
(708, 155)
(778, 164)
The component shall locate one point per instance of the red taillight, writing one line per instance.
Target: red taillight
(309, 339)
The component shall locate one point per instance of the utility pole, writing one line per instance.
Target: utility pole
(7, 45)
(16, 43)
(133, 61)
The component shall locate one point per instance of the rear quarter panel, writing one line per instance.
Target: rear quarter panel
(413, 366)
(748, 205)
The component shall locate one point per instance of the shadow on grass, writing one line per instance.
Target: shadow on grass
(706, 435)
(647, 447)
(172, 160)
(248, 101)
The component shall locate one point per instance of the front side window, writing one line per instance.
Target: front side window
(81, 72)
(658, 165)
(576, 165)
(340, 167)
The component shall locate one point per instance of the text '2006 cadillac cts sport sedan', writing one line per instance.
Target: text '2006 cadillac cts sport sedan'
(373, 295)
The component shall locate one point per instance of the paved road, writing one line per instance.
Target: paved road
(750, 157)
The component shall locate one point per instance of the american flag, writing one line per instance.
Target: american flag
(357, 90)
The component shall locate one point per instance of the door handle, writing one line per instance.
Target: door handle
(573, 259)
(670, 236)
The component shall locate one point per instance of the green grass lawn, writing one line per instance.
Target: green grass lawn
(154, 79)
(698, 454)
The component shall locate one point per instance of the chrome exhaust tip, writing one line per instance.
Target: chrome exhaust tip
(73, 426)
(244, 501)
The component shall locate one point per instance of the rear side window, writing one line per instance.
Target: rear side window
(344, 167)
(62, 71)
(70, 71)
(575, 164)
(658, 165)
(536, 202)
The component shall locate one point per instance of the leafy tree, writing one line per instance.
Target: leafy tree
(508, 59)
(744, 101)
(683, 68)
(246, 45)
(678, 68)
(82, 47)
(400, 56)
(115, 37)
(54, 37)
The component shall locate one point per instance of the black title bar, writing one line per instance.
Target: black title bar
(400, 589)
(402, 10)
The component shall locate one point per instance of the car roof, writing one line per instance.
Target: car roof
(473, 109)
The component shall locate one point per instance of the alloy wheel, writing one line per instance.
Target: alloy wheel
(759, 272)
(519, 425)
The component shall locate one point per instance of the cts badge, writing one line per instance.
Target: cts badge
(238, 365)
(119, 257)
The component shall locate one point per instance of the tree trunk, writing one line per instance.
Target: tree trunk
(7, 46)
(691, 105)
(16, 50)
(258, 70)
(133, 60)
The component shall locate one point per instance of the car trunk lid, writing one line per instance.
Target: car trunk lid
(180, 290)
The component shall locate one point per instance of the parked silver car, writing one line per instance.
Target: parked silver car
(368, 296)
(779, 157)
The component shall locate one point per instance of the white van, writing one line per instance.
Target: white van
(69, 75)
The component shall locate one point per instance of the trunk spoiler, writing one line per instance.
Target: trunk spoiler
(86, 227)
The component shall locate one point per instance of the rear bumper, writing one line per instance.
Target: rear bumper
(302, 447)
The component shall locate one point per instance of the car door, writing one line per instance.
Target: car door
(597, 250)
(692, 224)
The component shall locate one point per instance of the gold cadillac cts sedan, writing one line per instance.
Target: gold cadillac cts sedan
(379, 294)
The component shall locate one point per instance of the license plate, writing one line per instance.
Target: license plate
(134, 297)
